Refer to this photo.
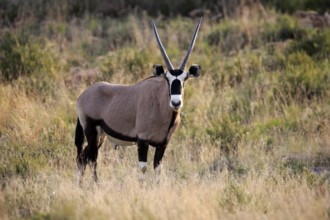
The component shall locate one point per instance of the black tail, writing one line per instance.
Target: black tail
(79, 137)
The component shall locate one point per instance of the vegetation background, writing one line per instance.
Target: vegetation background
(254, 141)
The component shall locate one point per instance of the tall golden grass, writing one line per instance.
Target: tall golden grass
(249, 146)
(262, 193)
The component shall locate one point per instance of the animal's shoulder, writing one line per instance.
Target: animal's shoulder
(152, 82)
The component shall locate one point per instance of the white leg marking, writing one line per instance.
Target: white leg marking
(158, 171)
(143, 166)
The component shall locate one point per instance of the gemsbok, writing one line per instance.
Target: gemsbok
(146, 113)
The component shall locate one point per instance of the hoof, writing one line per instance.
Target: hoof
(144, 169)
(143, 166)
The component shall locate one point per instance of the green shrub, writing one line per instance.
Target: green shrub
(9, 11)
(295, 5)
(317, 45)
(24, 56)
(119, 33)
(234, 195)
(11, 63)
(132, 61)
(273, 60)
(303, 78)
(228, 37)
(226, 131)
(285, 27)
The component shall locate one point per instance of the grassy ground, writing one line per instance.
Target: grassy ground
(254, 140)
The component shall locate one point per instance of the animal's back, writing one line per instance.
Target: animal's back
(135, 111)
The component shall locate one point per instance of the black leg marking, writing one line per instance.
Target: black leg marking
(101, 138)
(143, 147)
(79, 142)
(79, 139)
(92, 148)
(143, 150)
(159, 153)
(91, 151)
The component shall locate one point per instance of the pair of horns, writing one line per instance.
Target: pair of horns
(164, 54)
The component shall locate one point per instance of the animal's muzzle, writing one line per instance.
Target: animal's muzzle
(176, 102)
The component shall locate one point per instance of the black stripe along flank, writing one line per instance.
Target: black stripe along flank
(123, 137)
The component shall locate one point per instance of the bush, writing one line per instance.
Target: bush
(234, 195)
(132, 61)
(228, 37)
(303, 78)
(22, 56)
(228, 132)
(317, 45)
(285, 28)
(295, 5)
(11, 63)
(274, 59)
(75, 8)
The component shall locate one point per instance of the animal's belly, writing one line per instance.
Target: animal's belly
(120, 142)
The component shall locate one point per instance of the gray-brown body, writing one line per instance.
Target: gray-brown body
(130, 113)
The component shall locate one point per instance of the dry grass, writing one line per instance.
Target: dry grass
(261, 194)
(249, 146)
(197, 182)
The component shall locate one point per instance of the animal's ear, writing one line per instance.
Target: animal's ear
(194, 71)
(158, 70)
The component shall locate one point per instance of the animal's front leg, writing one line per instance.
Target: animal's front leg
(159, 153)
(143, 154)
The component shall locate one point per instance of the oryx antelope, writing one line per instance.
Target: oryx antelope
(146, 113)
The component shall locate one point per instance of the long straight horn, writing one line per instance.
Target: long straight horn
(192, 43)
(162, 49)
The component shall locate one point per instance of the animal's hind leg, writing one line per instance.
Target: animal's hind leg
(79, 142)
(99, 141)
(91, 151)
(101, 137)
(81, 163)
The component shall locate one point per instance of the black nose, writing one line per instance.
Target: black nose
(176, 104)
